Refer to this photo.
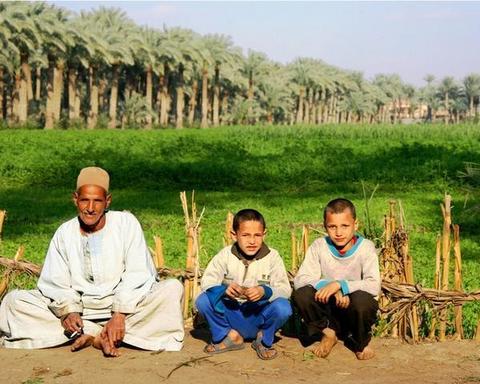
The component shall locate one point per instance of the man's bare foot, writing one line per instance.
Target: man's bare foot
(324, 347)
(366, 354)
(81, 342)
(102, 343)
(232, 341)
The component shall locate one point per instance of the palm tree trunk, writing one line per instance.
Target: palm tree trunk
(192, 103)
(149, 95)
(250, 99)
(23, 89)
(224, 108)
(301, 94)
(93, 111)
(308, 106)
(112, 110)
(49, 118)
(12, 110)
(102, 86)
(180, 99)
(447, 113)
(216, 97)
(72, 92)
(38, 83)
(57, 89)
(204, 122)
(2, 90)
(470, 109)
(164, 99)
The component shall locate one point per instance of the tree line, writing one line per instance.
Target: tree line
(100, 69)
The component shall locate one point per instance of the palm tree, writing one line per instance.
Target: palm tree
(471, 85)
(255, 66)
(218, 50)
(19, 26)
(446, 88)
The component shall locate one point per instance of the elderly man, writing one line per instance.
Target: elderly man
(98, 285)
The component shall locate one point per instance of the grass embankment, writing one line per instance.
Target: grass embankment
(288, 173)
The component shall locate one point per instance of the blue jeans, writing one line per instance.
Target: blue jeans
(247, 319)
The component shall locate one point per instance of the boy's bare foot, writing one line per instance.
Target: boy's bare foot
(102, 343)
(324, 347)
(233, 341)
(366, 354)
(81, 342)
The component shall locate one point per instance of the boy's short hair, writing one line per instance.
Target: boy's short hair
(338, 206)
(247, 215)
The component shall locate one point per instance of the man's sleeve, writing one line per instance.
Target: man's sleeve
(55, 280)
(139, 273)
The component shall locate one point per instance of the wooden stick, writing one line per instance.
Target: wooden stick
(305, 242)
(408, 270)
(159, 258)
(2, 219)
(196, 244)
(458, 281)
(227, 237)
(447, 222)
(294, 253)
(436, 284)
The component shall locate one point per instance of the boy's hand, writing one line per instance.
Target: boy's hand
(343, 301)
(324, 294)
(234, 291)
(254, 293)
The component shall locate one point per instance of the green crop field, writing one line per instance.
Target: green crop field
(288, 173)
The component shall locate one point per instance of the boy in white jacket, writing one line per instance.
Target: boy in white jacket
(337, 284)
(245, 290)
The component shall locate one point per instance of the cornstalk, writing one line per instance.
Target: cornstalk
(9, 271)
(305, 242)
(294, 253)
(227, 237)
(192, 226)
(447, 222)
(159, 259)
(458, 281)
(436, 284)
(408, 270)
(2, 219)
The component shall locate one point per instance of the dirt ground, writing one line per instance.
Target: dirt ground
(449, 362)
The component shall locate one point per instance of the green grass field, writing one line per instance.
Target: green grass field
(288, 173)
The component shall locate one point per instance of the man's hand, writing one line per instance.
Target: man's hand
(254, 293)
(343, 301)
(234, 291)
(114, 330)
(324, 294)
(72, 322)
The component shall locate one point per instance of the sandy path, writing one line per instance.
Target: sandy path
(448, 362)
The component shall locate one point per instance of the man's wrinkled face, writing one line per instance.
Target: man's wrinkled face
(249, 236)
(91, 202)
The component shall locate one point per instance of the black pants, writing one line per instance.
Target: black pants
(353, 325)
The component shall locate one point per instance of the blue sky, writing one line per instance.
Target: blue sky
(409, 38)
